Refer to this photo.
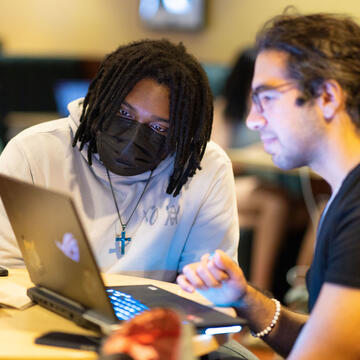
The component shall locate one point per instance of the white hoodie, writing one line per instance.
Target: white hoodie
(166, 232)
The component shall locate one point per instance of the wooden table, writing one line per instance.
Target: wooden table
(18, 329)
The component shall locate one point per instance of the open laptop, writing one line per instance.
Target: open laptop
(67, 280)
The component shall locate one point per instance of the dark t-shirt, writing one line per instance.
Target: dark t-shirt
(337, 252)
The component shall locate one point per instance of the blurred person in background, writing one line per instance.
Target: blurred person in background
(263, 204)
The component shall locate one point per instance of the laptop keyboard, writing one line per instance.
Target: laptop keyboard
(124, 305)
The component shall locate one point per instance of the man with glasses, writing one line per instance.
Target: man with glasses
(306, 108)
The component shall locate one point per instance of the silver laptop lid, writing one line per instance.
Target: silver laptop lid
(54, 244)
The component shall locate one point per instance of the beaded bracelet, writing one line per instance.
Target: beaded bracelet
(273, 322)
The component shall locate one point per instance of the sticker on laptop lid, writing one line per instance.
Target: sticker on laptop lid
(69, 247)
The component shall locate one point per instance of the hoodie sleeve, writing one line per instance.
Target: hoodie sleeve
(216, 224)
(13, 162)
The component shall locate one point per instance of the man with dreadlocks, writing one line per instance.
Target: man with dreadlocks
(152, 193)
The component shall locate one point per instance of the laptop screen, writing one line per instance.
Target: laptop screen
(66, 91)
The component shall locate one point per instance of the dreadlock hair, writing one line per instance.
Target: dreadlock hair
(320, 47)
(191, 101)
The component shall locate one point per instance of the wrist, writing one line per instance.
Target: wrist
(245, 301)
(258, 309)
(273, 322)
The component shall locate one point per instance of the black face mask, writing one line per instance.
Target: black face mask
(127, 147)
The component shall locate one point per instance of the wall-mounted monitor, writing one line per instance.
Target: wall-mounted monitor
(173, 14)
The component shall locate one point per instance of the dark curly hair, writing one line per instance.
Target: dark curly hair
(320, 47)
(191, 100)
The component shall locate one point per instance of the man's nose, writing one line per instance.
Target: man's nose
(255, 121)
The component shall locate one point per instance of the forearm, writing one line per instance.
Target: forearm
(220, 280)
(259, 310)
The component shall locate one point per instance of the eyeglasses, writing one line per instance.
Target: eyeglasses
(260, 95)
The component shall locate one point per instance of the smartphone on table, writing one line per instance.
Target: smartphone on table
(69, 340)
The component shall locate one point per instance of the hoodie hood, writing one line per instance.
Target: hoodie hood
(75, 109)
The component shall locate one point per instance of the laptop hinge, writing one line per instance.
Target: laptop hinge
(71, 310)
(105, 324)
(56, 297)
(60, 305)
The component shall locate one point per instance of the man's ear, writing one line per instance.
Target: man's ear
(331, 99)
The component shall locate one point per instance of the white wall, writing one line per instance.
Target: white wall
(96, 27)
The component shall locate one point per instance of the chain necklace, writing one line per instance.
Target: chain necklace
(120, 248)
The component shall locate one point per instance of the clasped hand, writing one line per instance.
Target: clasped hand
(216, 277)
